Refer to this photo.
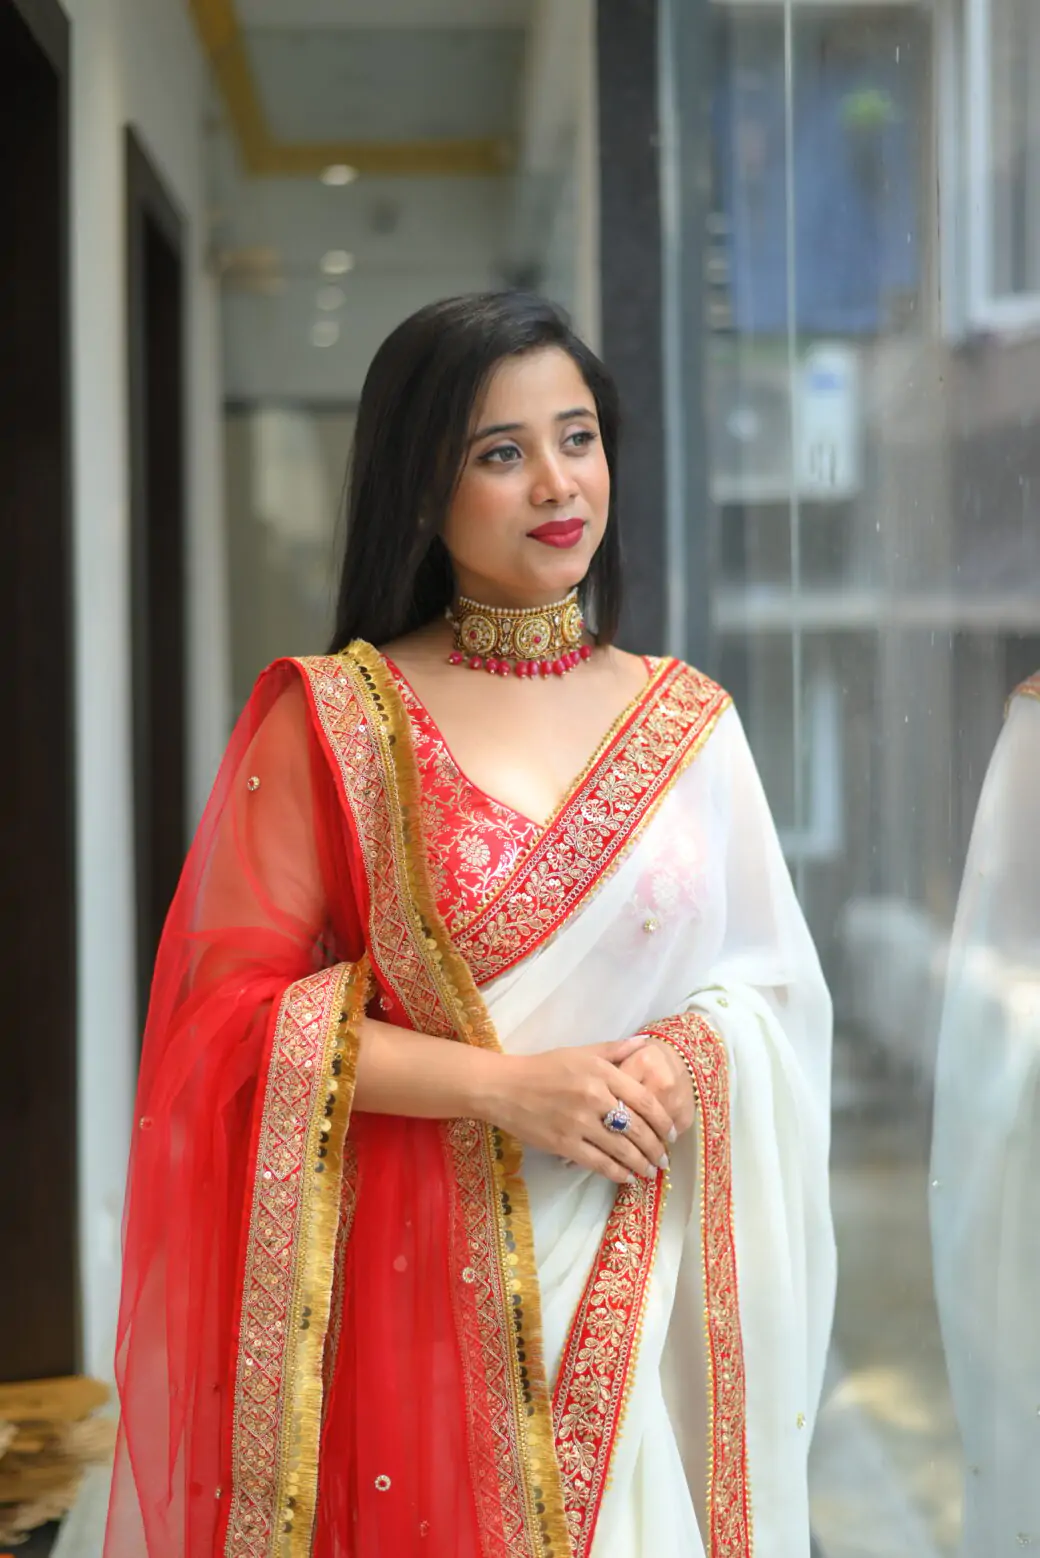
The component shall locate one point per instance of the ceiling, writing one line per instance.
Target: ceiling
(384, 13)
(388, 87)
(454, 114)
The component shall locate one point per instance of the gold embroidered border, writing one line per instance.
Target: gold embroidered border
(288, 1265)
(367, 730)
(348, 1205)
(599, 821)
(729, 1497)
(595, 1373)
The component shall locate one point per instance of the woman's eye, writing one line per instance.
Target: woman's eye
(504, 454)
(582, 438)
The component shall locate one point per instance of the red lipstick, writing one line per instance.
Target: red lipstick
(559, 532)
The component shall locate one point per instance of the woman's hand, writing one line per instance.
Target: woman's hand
(658, 1068)
(556, 1102)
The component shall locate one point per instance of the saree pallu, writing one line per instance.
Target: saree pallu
(375, 1337)
(986, 1150)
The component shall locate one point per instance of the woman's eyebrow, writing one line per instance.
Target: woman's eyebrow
(518, 427)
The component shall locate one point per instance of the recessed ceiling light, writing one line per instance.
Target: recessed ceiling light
(329, 298)
(337, 262)
(338, 173)
(324, 332)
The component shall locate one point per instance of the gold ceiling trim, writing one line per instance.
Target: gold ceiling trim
(222, 38)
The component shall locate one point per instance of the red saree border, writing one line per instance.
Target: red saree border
(729, 1496)
(288, 1265)
(598, 822)
(365, 725)
(490, 1268)
(593, 1382)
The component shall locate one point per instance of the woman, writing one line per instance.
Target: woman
(986, 1149)
(479, 1200)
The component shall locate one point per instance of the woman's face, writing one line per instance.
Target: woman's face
(531, 504)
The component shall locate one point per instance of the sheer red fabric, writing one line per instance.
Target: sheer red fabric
(273, 890)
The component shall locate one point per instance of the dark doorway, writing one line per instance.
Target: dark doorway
(155, 299)
(39, 1323)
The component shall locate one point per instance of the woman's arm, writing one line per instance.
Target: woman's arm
(554, 1101)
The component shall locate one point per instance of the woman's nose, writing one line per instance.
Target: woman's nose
(553, 482)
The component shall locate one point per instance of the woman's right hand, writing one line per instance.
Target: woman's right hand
(556, 1101)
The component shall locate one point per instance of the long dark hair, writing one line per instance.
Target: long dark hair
(413, 424)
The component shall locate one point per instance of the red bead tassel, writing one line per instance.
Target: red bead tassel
(528, 669)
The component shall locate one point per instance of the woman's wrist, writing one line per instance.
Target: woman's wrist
(491, 1079)
(424, 1076)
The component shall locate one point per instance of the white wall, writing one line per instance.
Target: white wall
(132, 61)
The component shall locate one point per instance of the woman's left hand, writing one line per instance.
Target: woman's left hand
(657, 1066)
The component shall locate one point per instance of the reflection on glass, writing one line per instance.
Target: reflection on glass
(1014, 41)
(875, 473)
(986, 1149)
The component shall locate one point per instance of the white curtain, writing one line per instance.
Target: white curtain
(701, 914)
(985, 1190)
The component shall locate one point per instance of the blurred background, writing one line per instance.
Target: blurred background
(805, 235)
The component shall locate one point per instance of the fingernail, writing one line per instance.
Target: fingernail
(651, 1172)
(630, 1180)
(673, 1136)
(664, 1162)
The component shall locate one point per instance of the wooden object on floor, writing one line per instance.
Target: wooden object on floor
(49, 1434)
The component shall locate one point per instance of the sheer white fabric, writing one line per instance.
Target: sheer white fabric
(986, 1153)
(701, 914)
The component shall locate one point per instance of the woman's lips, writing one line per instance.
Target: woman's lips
(559, 532)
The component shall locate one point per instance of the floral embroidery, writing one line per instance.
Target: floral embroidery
(516, 1479)
(598, 823)
(527, 888)
(600, 1353)
(472, 841)
(503, 884)
(729, 1499)
(487, 1289)
(288, 1264)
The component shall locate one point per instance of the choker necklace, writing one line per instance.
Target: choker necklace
(518, 641)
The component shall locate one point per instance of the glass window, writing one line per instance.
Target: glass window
(875, 504)
(1004, 156)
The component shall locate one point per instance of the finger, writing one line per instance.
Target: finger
(622, 1146)
(639, 1102)
(589, 1156)
(643, 1103)
(646, 1141)
(619, 1049)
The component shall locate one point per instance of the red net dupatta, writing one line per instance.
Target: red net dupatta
(329, 1335)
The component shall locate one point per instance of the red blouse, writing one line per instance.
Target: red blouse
(472, 840)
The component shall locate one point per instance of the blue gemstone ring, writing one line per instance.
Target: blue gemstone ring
(617, 1119)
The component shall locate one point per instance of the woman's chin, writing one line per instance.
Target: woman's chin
(556, 575)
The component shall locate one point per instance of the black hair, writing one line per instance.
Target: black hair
(413, 425)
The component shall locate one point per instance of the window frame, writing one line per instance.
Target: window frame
(987, 308)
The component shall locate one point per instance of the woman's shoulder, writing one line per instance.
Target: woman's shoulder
(679, 674)
(306, 689)
(1030, 688)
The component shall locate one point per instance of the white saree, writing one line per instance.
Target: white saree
(700, 916)
(986, 1151)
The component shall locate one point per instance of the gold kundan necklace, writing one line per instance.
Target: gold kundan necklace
(518, 641)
